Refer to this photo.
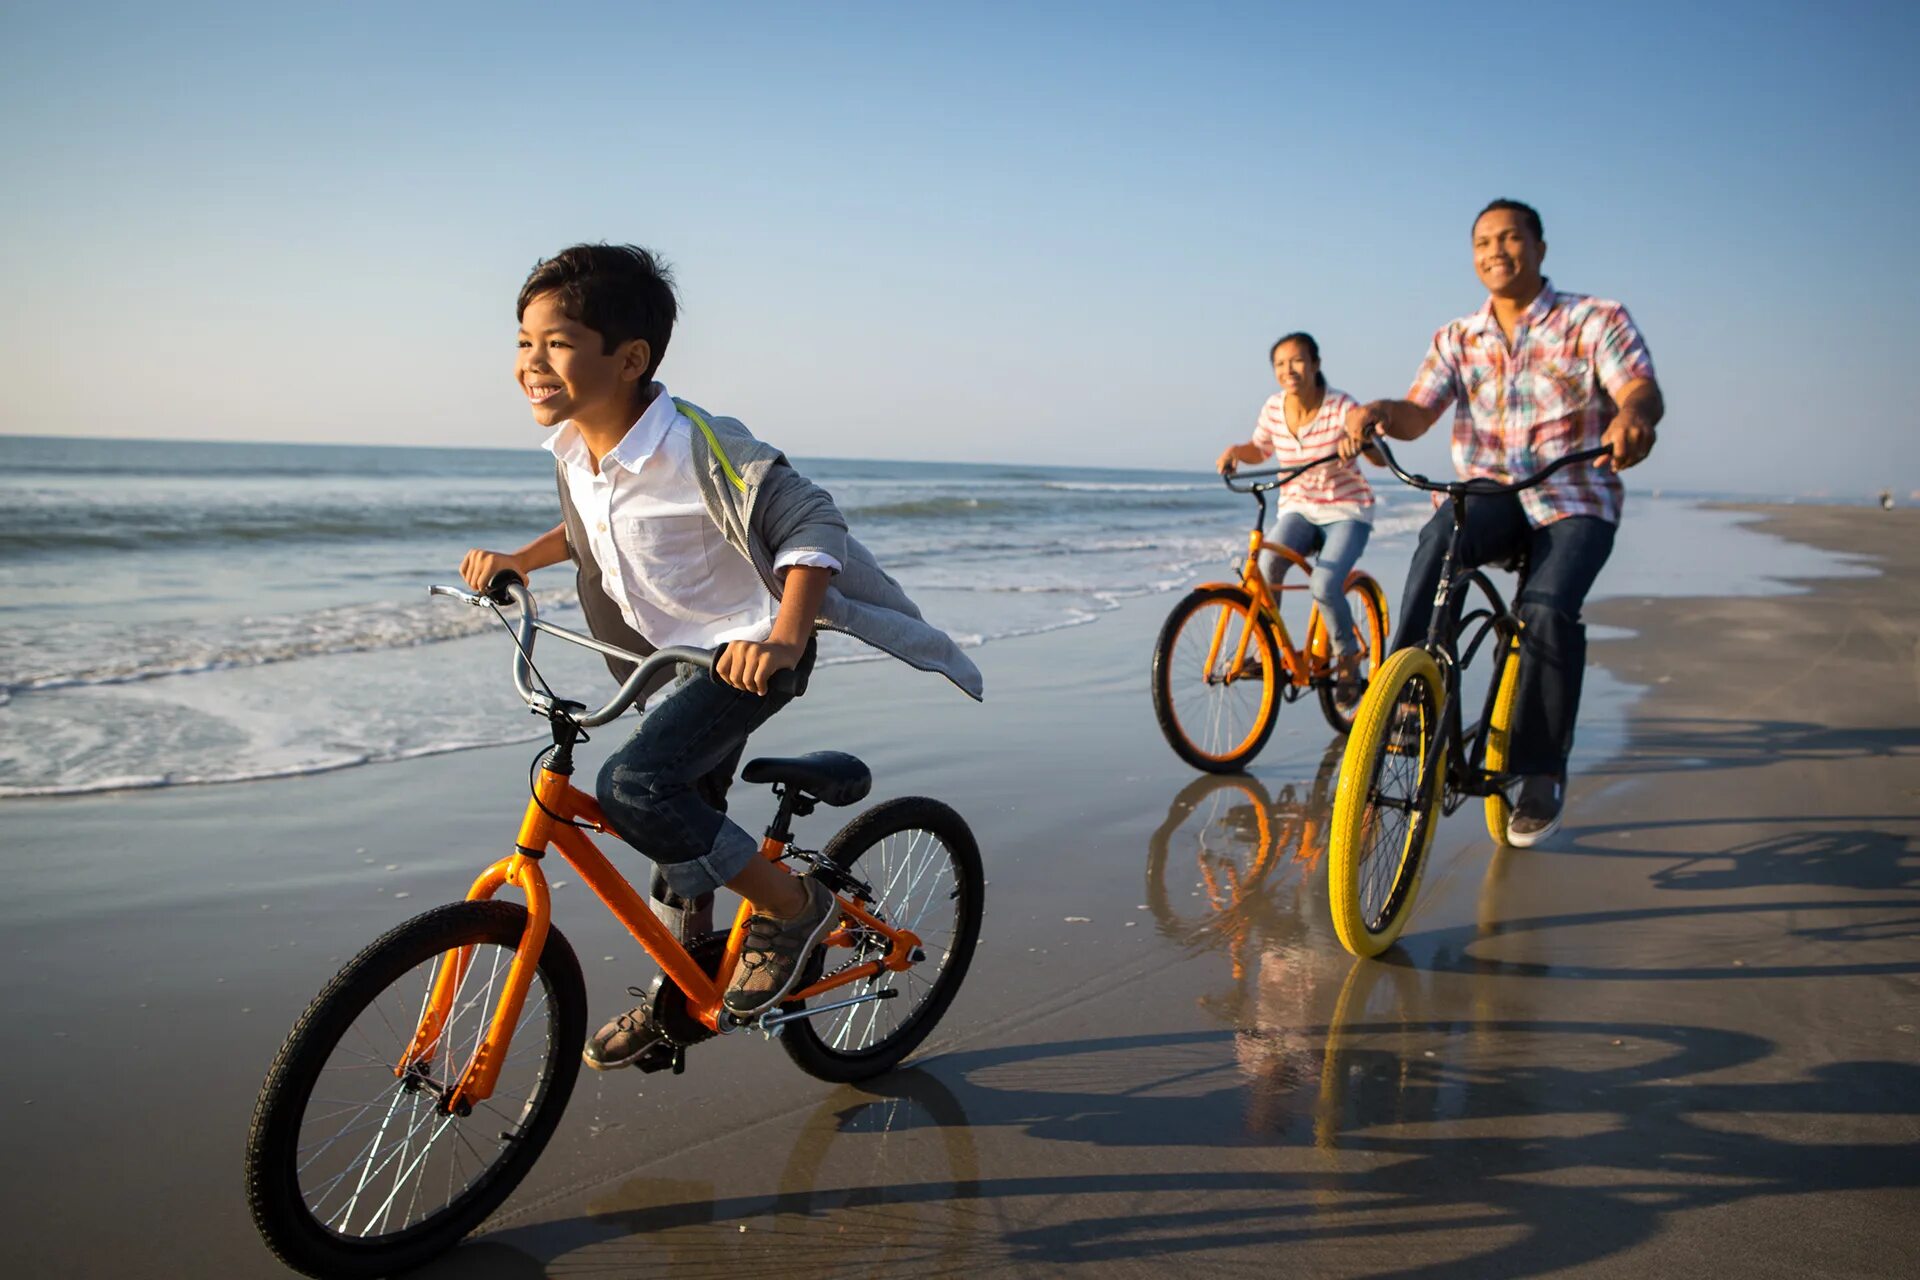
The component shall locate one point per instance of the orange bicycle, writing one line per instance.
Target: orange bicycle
(422, 1083)
(1224, 662)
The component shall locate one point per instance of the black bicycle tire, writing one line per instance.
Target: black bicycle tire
(273, 1191)
(800, 1039)
(1163, 712)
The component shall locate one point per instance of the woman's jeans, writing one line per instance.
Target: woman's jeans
(664, 791)
(1563, 559)
(1339, 545)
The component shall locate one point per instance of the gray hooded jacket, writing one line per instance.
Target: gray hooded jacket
(762, 507)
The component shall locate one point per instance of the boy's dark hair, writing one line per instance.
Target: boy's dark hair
(1527, 212)
(620, 291)
(1313, 351)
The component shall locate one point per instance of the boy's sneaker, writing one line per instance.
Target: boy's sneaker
(775, 952)
(1537, 809)
(624, 1041)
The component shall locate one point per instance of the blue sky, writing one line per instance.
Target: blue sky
(1041, 233)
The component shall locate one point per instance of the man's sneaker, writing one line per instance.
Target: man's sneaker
(1537, 809)
(625, 1041)
(775, 952)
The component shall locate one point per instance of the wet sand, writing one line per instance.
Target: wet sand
(1683, 1035)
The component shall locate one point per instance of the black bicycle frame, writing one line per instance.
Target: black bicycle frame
(1465, 749)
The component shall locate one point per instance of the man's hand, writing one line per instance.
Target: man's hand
(1630, 436)
(1363, 423)
(746, 665)
(477, 567)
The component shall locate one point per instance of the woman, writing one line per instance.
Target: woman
(1329, 509)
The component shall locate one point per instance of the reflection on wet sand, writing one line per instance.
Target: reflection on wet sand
(1449, 1111)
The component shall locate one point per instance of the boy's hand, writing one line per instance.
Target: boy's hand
(746, 665)
(478, 567)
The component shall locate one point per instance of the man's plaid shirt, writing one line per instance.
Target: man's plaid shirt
(1551, 393)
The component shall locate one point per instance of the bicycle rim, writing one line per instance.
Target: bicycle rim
(920, 861)
(1216, 680)
(1380, 830)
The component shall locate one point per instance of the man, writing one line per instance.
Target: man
(1535, 374)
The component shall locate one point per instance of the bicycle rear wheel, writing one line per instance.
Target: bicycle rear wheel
(353, 1170)
(1499, 727)
(1381, 826)
(1216, 680)
(919, 859)
(1368, 604)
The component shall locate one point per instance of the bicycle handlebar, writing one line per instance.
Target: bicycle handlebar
(1480, 484)
(508, 587)
(1281, 475)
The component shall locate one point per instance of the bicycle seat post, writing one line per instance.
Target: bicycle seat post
(793, 804)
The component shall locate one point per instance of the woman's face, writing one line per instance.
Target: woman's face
(1294, 368)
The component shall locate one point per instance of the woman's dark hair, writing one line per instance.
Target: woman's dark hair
(1528, 214)
(1313, 351)
(620, 291)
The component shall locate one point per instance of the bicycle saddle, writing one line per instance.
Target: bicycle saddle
(831, 777)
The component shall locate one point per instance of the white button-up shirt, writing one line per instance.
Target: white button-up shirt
(661, 557)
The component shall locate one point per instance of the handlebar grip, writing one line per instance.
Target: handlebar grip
(497, 586)
(787, 684)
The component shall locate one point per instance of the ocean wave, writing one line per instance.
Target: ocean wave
(141, 654)
(943, 507)
(1119, 486)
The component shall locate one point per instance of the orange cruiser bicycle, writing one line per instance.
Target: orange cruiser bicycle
(1224, 661)
(422, 1083)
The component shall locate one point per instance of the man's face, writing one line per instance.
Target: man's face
(1506, 254)
(564, 373)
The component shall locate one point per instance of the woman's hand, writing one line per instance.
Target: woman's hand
(478, 568)
(1228, 460)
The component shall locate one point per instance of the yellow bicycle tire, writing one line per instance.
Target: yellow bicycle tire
(1367, 748)
(1499, 727)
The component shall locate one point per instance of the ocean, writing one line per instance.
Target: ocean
(182, 612)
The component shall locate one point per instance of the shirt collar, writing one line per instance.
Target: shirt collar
(641, 441)
(1483, 321)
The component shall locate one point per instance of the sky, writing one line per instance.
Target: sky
(1039, 233)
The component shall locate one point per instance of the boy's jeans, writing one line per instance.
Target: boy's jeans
(1339, 545)
(664, 791)
(1563, 560)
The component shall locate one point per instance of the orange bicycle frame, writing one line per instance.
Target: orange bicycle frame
(549, 819)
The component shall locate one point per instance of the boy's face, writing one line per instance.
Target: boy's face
(564, 373)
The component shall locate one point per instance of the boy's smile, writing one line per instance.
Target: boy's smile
(565, 372)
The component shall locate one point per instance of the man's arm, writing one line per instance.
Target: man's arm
(1630, 434)
(477, 567)
(1400, 419)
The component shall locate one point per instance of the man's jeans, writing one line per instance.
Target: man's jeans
(664, 791)
(1563, 560)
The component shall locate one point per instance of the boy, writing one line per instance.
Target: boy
(686, 530)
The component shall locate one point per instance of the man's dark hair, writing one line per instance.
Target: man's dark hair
(1313, 352)
(620, 291)
(1526, 211)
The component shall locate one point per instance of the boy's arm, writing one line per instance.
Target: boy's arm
(478, 567)
(749, 666)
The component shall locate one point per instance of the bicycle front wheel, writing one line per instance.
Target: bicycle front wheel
(919, 859)
(354, 1170)
(1499, 729)
(1216, 680)
(1368, 604)
(1382, 826)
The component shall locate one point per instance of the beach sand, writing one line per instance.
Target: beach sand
(1682, 1035)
